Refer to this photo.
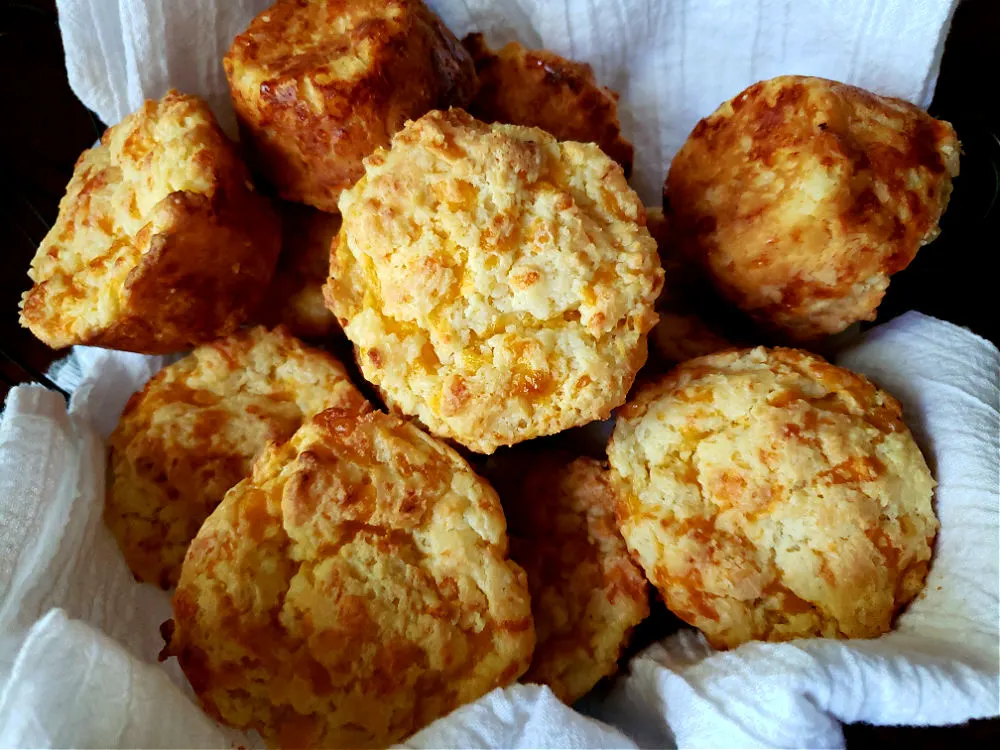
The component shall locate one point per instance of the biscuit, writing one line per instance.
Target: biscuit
(686, 328)
(540, 89)
(496, 283)
(586, 593)
(769, 495)
(194, 431)
(352, 590)
(161, 242)
(801, 196)
(295, 297)
(318, 86)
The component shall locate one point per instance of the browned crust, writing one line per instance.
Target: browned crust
(538, 88)
(587, 594)
(201, 275)
(311, 156)
(891, 166)
(184, 291)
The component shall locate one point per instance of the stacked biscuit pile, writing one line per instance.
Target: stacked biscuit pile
(344, 574)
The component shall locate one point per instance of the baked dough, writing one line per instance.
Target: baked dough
(802, 196)
(294, 298)
(161, 242)
(194, 430)
(318, 86)
(352, 590)
(769, 495)
(497, 284)
(539, 89)
(586, 592)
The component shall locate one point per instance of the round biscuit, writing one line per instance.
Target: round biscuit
(352, 590)
(496, 284)
(194, 430)
(540, 89)
(294, 298)
(801, 196)
(769, 495)
(686, 328)
(317, 86)
(586, 592)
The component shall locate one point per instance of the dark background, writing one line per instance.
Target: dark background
(43, 129)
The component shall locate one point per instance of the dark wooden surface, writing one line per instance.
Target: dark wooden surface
(43, 128)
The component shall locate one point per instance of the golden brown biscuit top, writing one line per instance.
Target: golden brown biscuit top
(483, 268)
(352, 590)
(801, 192)
(326, 41)
(586, 593)
(538, 88)
(317, 45)
(769, 494)
(194, 430)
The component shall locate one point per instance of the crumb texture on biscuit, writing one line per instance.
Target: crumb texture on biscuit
(586, 592)
(540, 89)
(352, 590)
(318, 86)
(770, 495)
(497, 284)
(801, 196)
(194, 431)
(294, 298)
(160, 242)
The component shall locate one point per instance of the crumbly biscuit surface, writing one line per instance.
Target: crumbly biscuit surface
(497, 284)
(540, 89)
(317, 86)
(801, 196)
(294, 298)
(586, 592)
(770, 495)
(352, 590)
(160, 242)
(194, 430)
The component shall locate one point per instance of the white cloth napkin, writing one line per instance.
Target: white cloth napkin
(673, 61)
(78, 637)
